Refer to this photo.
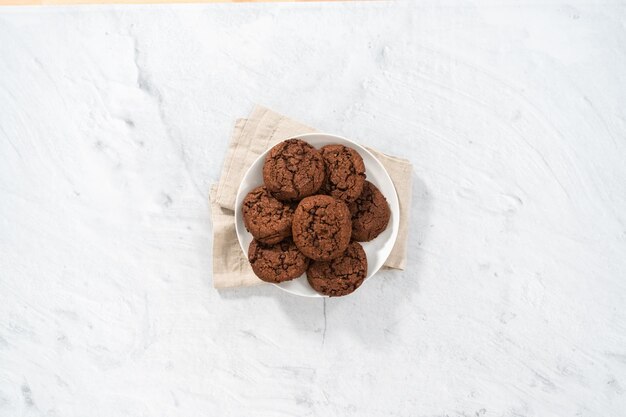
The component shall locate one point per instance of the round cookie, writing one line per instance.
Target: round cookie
(345, 172)
(370, 214)
(342, 275)
(293, 170)
(266, 218)
(276, 263)
(321, 227)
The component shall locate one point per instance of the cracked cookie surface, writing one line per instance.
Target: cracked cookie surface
(370, 214)
(293, 169)
(340, 276)
(345, 172)
(265, 217)
(277, 263)
(321, 227)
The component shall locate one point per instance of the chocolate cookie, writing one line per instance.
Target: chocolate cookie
(321, 227)
(345, 172)
(370, 214)
(276, 263)
(342, 275)
(266, 218)
(293, 169)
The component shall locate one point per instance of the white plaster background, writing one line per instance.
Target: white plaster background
(114, 122)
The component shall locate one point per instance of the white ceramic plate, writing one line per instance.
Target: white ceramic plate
(377, 250)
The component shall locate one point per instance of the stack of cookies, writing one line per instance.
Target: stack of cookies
(313, 209)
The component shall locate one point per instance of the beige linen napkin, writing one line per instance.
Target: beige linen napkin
(250, 138)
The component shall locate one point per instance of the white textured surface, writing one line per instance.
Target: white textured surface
(113, 123)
